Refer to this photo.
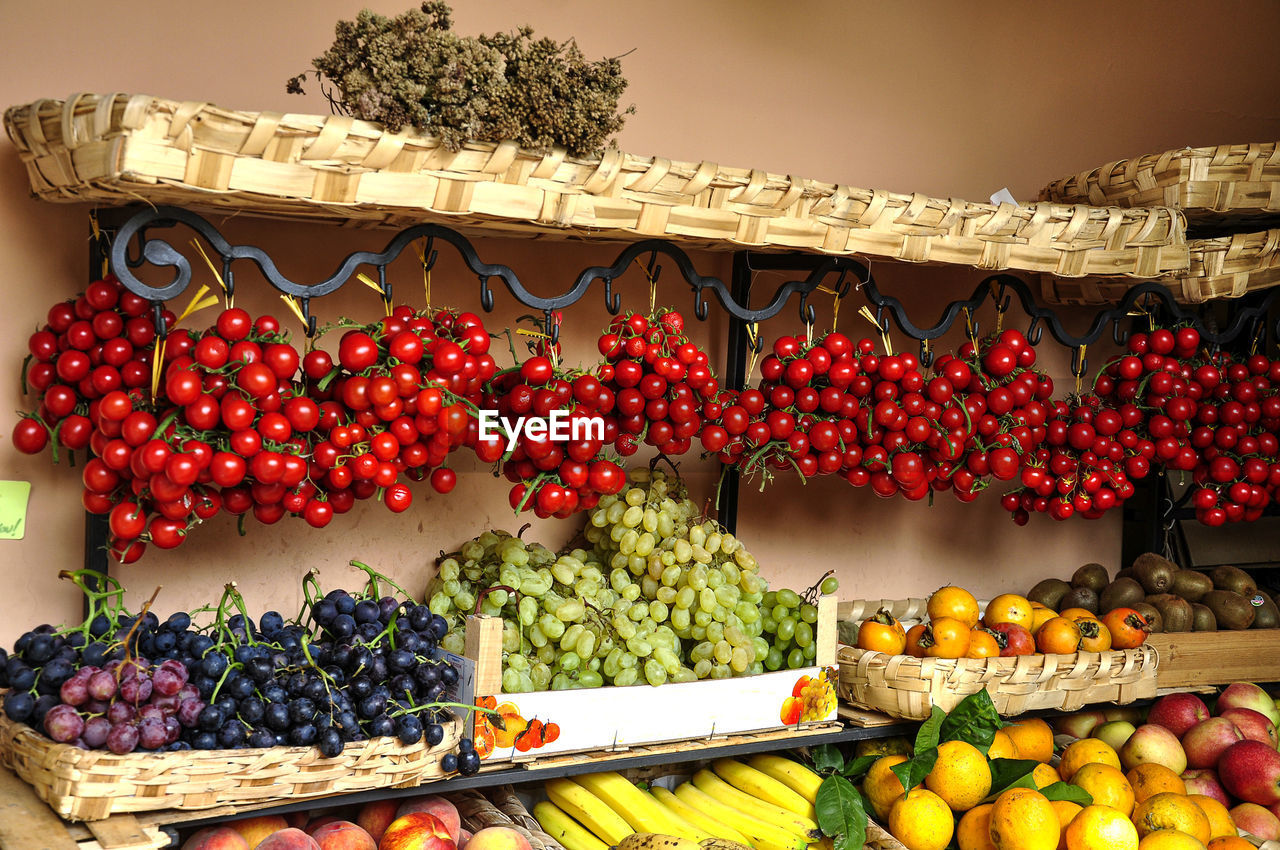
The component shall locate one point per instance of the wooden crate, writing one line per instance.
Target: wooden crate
(1190, 659)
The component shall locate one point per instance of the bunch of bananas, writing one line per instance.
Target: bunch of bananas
(766, 803)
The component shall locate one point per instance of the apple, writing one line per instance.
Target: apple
(343, 835)
(317, 822)
(216, 838)
(1253, 725)
(463, 838)
(1205, 781)
(1256, 821)
(256, 829)
(290, 838)
(1251, 771)
(1017, 640)
(498, 838)
(417, 831)
(1248, 695)
(1178, 712)
(1206, 741)
(1152, 743)
(1079, 725)
(1114, 733)
(375, 817)
(435, 805)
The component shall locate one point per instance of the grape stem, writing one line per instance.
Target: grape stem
(374, 575)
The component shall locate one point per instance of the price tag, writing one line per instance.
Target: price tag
(13, 509)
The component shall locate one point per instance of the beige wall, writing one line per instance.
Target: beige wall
(952, 99)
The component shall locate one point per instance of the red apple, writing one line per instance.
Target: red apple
(1248, 695)
(343, 835)
(375, 817)
(1152, 743)
(216, 838)
(291, 838)
(1079, 725)
(1251, 771)
(1018, 641)
(1178, 712)
(317, 822)
(1206, 741)
(417, 831)
(1256, 821)
(498, 838)
(435, 805)
(1205, 781)
(1253, 725)
(256, 829)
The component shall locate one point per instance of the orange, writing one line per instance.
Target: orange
(954, 602)
(982, 644)
(921, 821)
(974, 830)
(1023, 819)
(1044, 775)
(1107, 786)
(1220, 822)
(1009, 608)
(1058, 636)
(1002, 747)
(1082, 752)
(1039, 617)
(882, 784)
(1172, 811)
(946, 637)
(1033, 737)
(1066, 810)
(1232, 842)
(960, 776)
(1169, 839)
(1101, 828)
(1150, 778)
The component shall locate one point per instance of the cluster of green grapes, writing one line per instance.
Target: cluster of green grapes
(789, 628)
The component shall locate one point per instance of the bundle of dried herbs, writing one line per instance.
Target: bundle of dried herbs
(413, 70)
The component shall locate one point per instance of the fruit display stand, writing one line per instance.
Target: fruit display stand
(908, 687)
(1199, 659)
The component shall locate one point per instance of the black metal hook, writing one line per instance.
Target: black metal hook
(1079, 363)
(926, 354)
(1034, 331)
(612, 300)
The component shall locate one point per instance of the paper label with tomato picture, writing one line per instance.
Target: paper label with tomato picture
(529, 724)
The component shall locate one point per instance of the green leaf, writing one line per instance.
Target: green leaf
(928, 736)
(913, 771)
(1010, 773)
(840, 813)
(827, 758)
(1067, 791)
(974, 721)
(859, 766)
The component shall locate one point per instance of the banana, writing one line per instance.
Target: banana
(791, 773)
(743, 802)
(688, 827)
(643, 812)
(571, 834)
(698, 818)
(722, 844)
(763, 835)
(655, 841)
(588, 810)
(762, 786)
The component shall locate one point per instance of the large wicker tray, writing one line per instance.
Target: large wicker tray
(1222, 267)
(902, 686)
(93, 784)
(1214, 186)
(119, 149)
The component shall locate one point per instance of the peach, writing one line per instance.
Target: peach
(375, 817)
(498, 838)
(417, 831)
(463, 838)
(317, 822)
(216, 838)
(256, 829)
(1256, 821)
(343, 835)
(438, 806)
(290, 838)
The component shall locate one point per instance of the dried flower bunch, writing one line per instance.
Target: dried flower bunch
(413, 70)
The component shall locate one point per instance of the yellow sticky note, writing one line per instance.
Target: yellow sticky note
(13, 509)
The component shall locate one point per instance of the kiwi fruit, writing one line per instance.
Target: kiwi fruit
(1175, 611)
(1049, 592)
(1092, 576)
(1153, 572)
(1202, 619)
(1233, 579)
(1191, 585)
(1266, 615)
(1080, 597)
(1127, 572)
(1231, 610)
(1155, 621)
(1121, 593)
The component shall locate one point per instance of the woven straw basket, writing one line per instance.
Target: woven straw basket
(93, 784)
(118, 149)
(1223, 267)
(1227, 184)
(501, 807)
(902, 686)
